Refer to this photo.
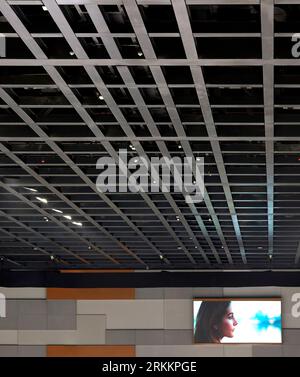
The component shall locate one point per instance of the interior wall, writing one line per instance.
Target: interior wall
(127, 322)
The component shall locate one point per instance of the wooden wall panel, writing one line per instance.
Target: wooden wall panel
(91, 351)
(90, 293)
(93, 271)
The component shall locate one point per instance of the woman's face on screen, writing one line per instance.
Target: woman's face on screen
(228, 324)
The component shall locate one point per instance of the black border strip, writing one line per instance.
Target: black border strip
(149, 279)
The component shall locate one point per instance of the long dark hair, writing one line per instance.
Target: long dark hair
(209, 317)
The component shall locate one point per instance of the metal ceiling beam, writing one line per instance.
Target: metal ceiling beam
(24, 241)
(61, 196)
(267, 28)
(56, 245)
(151, 138)
(59, 223)
(145, 62)
(10, 15)
(181, 14)
(146, 46)
(124, 72)
(77, 48)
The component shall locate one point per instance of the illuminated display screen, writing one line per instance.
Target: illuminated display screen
(237, 320)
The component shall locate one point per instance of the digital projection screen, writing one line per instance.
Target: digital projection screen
(235, 320)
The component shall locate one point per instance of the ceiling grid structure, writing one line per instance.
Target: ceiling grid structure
(93, 74)
(212, 79)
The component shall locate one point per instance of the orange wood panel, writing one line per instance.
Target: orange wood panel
(92, 271)
(91, 351)
(90, 293)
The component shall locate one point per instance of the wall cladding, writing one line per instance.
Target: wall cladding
(120, 322)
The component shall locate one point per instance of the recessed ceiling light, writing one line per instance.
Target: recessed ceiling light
(161, 257)
(154, 181)
(90, 247)
(30, 189)
(52, 257)
(68, 217)
(140, 53)
(196, 247)
(179, 147)
(43, 200)
(57, 210)
(72, 53)
(44, 8)
(76, 223)
(270, 256)
(101, 97)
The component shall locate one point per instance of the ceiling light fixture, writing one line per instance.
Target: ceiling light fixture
(46, 219)
(43, 200)
(161, 257)
(52, 257)
(57, 210)
(30, 189)
(140, 53)
(44, 8)
(72, 53)
(101, 97)
(67, 217)
(179, 146)
(76, 223)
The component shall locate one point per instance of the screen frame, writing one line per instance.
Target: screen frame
(276, 298)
